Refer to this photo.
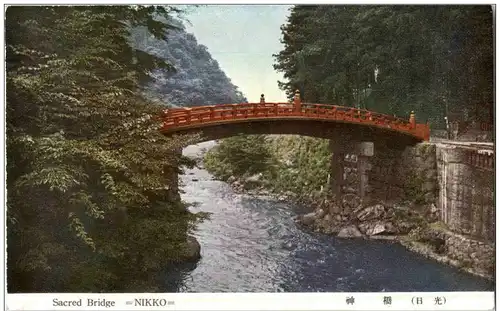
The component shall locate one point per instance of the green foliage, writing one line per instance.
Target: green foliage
(413, 188)
(239, 156)
(91, 182)
(288, 163)
(435, 60)
(304, 164)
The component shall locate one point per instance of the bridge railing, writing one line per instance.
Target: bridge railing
(191, 115)
(180, 117)
(353, 114)
(187, 115)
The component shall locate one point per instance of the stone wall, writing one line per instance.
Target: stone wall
(466, 191)
(479, 254)
(418, 174)
(385, 179)
(455, 249)
(456, 180)
(397, 174)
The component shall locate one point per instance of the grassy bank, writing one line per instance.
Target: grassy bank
(281, 164)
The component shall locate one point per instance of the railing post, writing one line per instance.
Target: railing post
(166, 114)
(427, 132)
(412, 120)
(212, 113)
(296, 102)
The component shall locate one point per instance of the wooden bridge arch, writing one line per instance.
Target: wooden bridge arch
(318, 120)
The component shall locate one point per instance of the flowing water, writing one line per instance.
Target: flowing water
(251, 244)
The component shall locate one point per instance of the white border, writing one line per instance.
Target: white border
(474, 301)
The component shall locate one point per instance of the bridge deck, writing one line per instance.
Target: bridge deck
(178, 119)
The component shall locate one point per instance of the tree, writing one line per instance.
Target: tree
(239, 156)
(392, 59)
(90, 179)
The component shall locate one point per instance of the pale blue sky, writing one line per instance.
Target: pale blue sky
(243, 38)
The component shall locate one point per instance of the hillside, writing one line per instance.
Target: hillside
(197, 79)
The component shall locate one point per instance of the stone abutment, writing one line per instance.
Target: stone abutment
(451, 185)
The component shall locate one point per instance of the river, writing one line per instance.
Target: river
(251, 244)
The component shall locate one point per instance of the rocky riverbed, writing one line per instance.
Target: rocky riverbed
(414, 226)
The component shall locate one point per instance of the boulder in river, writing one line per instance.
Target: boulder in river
(254, 178)
(334, 209)
(378, 228)
(349, 232)
(309, 219)
(320, 213)
(375, 228)
(328, 218)
(350, 202)
(371, 212)
(192, 250)
(252, 182)
(236, 184)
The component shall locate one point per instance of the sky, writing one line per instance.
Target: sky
(243, 38)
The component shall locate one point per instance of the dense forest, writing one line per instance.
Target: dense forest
(435, 60)
(92, 204)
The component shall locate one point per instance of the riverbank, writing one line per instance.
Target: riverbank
(415, 227)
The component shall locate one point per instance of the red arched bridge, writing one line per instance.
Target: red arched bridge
(220, 121)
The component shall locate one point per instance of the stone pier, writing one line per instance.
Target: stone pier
(365, 171)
